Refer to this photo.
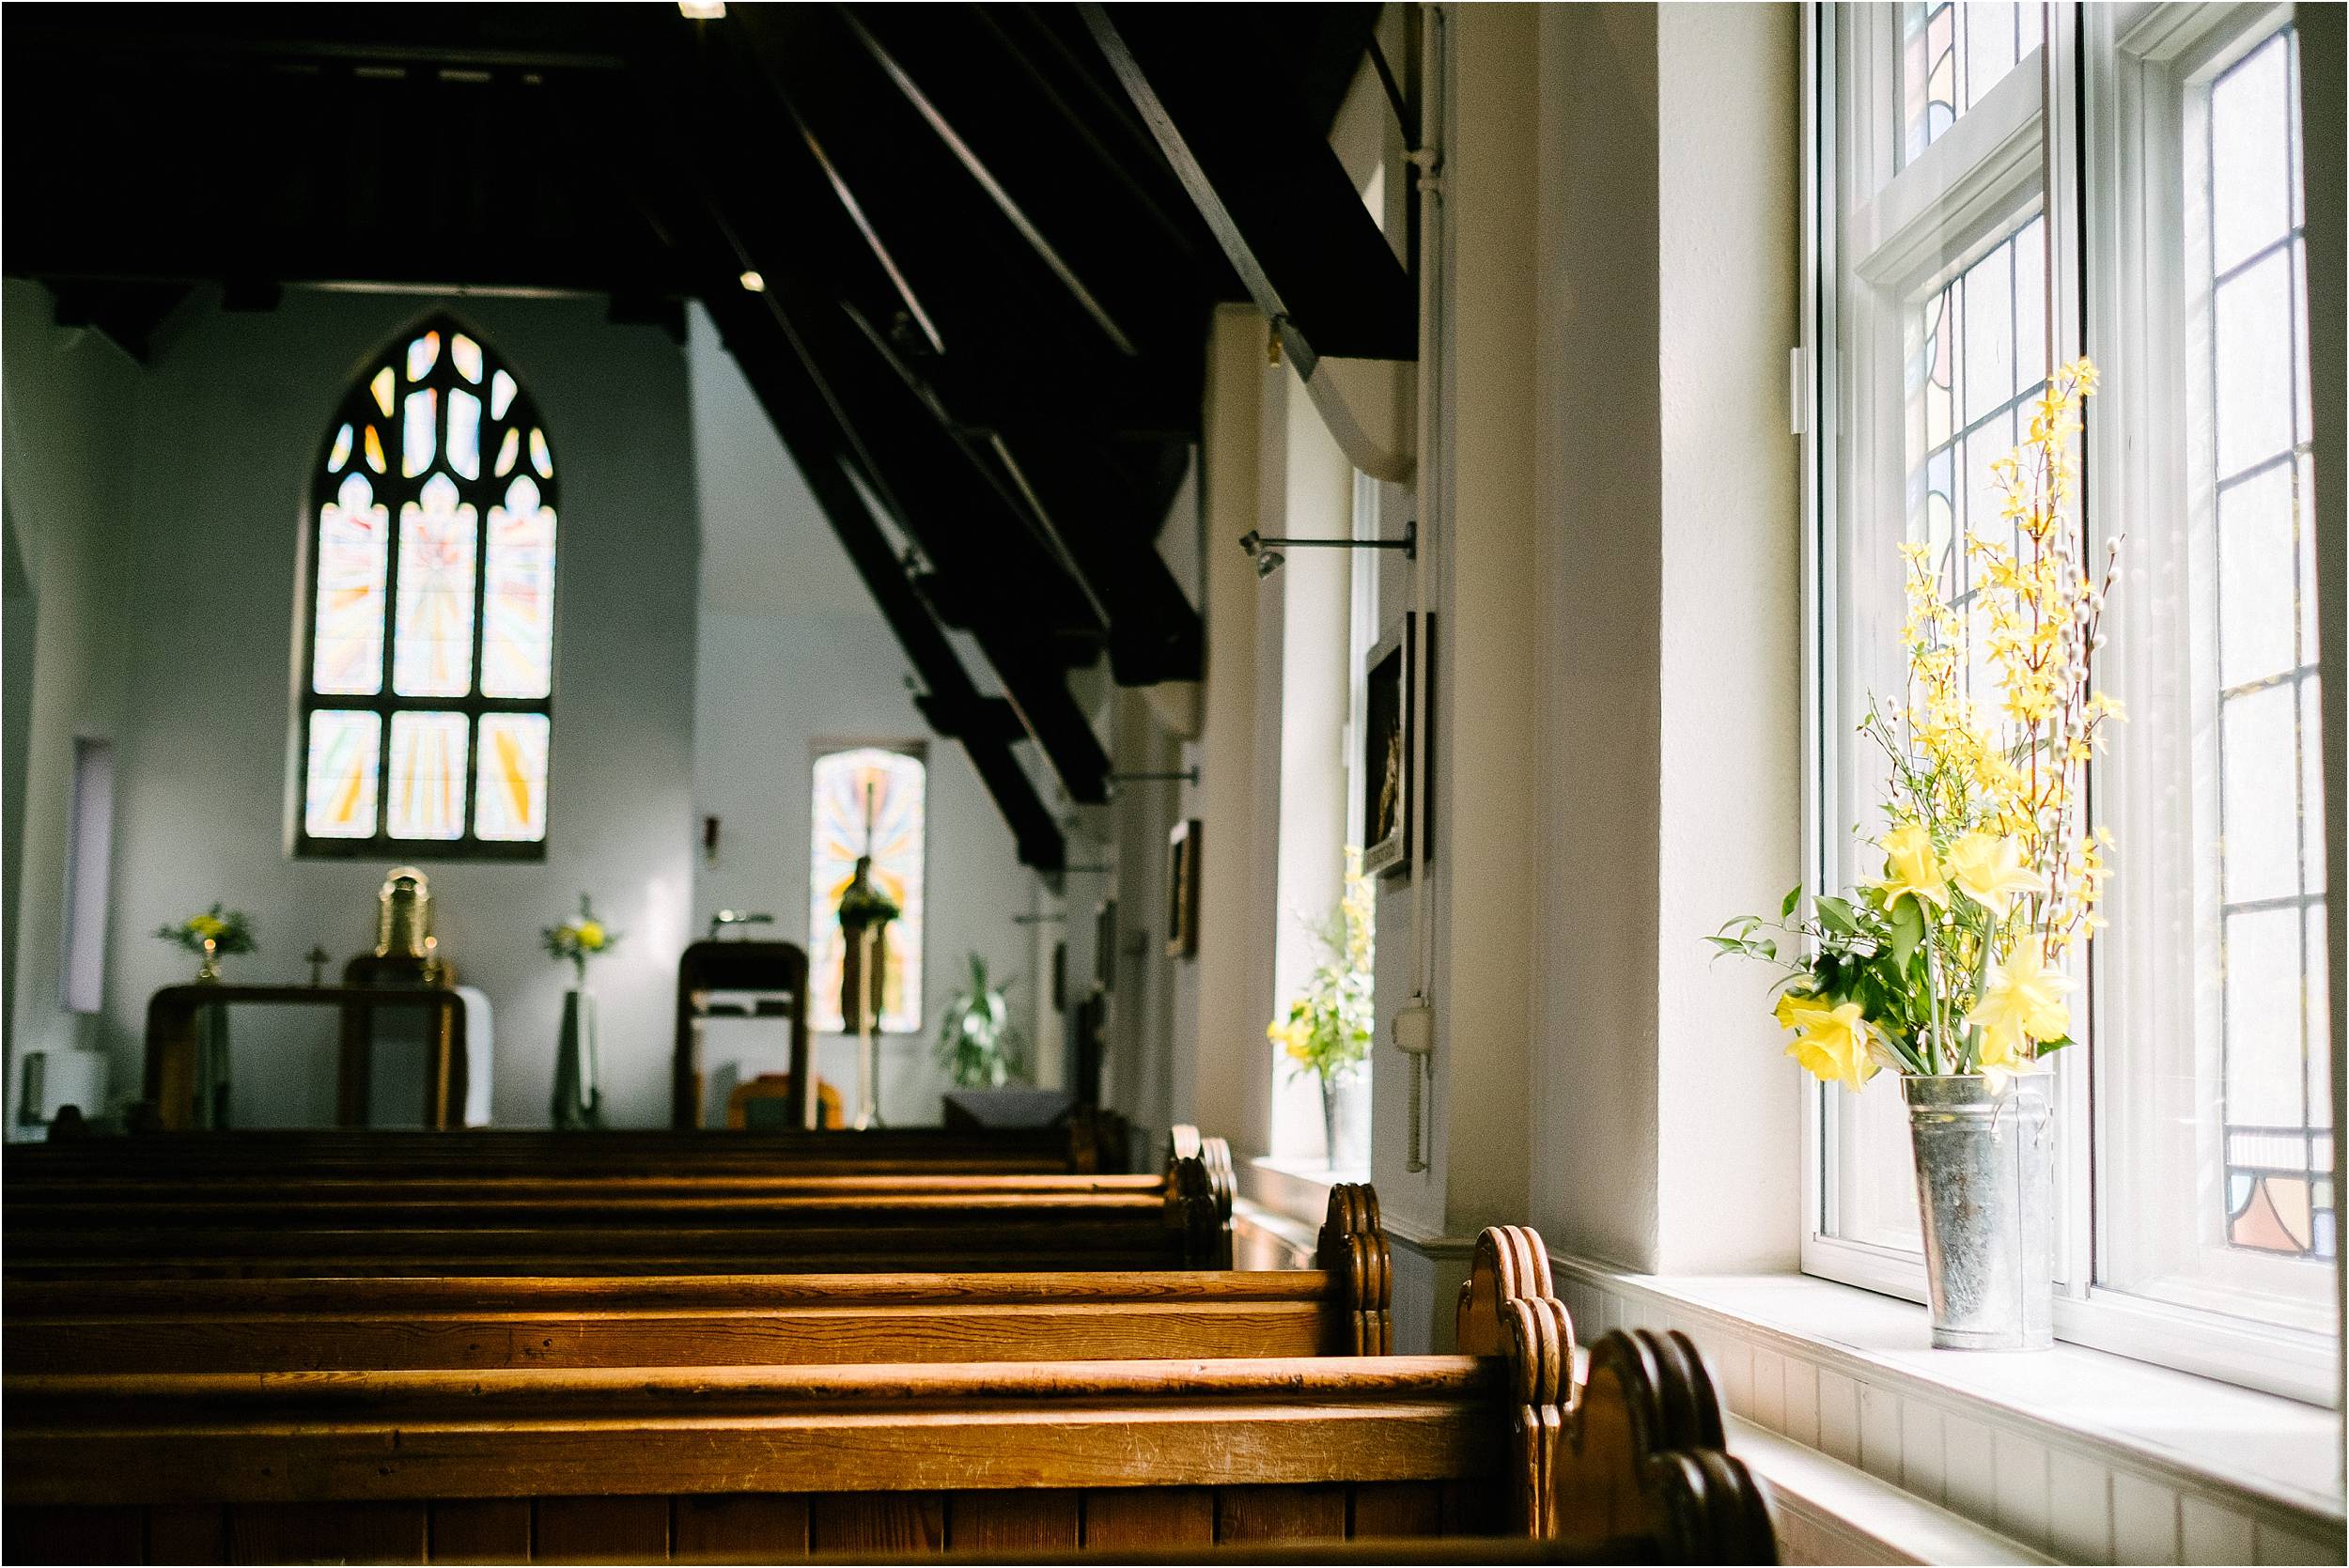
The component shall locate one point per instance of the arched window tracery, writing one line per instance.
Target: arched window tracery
(427, 668)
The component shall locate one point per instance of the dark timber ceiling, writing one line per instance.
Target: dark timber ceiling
(991, 238)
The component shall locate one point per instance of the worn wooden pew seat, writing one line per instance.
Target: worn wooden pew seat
(883, 1460)
(261, 1325)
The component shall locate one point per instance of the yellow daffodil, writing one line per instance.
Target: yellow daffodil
(2022, 1001)
(206, 925)
(1911, 870)
(1992, 870)
(590, 933)
(1830, 1042)
(1293, 1034)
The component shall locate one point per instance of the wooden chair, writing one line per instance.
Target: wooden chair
(971, 1458)
(766, 1101)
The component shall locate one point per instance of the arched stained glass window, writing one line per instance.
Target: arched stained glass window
(428, 660)
(868, 800)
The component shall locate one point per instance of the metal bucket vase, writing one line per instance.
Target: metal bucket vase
(1985, 1178)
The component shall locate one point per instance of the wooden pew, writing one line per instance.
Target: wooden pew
(1088, 1141)
(833, 1224)
(974, 1458)
(1341, 1308)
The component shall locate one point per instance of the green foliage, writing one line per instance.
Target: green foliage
(1327, 1030)
(228, 931)
(977, 1043)
(1860, 953)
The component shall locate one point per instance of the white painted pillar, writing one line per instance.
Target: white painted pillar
(1219, 1080)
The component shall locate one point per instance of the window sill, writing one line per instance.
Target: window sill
(1299, 1188)
(2084, 1454)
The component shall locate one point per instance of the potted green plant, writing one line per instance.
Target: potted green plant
(977, 1043)
(1328, 1030)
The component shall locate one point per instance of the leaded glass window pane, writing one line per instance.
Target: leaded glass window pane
(353, 545)
(510, 795)
(1952, 55)
(518, 628)
(427, 797)
(438, 541)
(431, 643)
(2269, 850)
(338, 797)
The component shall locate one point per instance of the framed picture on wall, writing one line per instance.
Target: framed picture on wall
(1389, 728)
(1182, 890)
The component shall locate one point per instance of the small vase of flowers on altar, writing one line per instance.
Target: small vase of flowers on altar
(214, 935)
(578, 1089)
(1952, 968)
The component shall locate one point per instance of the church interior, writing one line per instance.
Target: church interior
(801, 782)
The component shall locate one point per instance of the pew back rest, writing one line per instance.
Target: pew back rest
(1625, 1464)
(258, 1324)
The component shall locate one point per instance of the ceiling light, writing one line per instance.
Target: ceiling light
(701, 10)
(753, 283)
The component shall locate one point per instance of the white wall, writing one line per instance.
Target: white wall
(70, 466)
(793, 655)
(230, 415)
(1728, 201)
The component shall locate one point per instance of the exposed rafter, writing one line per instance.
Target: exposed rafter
(987, 270)
(1260, 170)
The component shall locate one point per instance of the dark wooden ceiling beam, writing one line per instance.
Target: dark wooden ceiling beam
(893, 442)
(126, 315)
(1102, 536)
(428, 36)
(1091, 225)
(949, 701)
(805, 416)
(1265, 178)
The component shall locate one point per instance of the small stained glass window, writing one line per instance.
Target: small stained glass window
(426, 723)
(869, 801)
(1953, 53)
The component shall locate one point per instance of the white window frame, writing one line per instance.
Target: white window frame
(2015, 152)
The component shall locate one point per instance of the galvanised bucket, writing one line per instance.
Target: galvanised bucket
(1985, 1179)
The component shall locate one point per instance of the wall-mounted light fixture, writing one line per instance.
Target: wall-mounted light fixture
(1268, 555)
(1184, 775)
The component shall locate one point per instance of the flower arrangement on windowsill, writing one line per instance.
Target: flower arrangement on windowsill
(1329, 1029)
(1950, 970)
(214, 935)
